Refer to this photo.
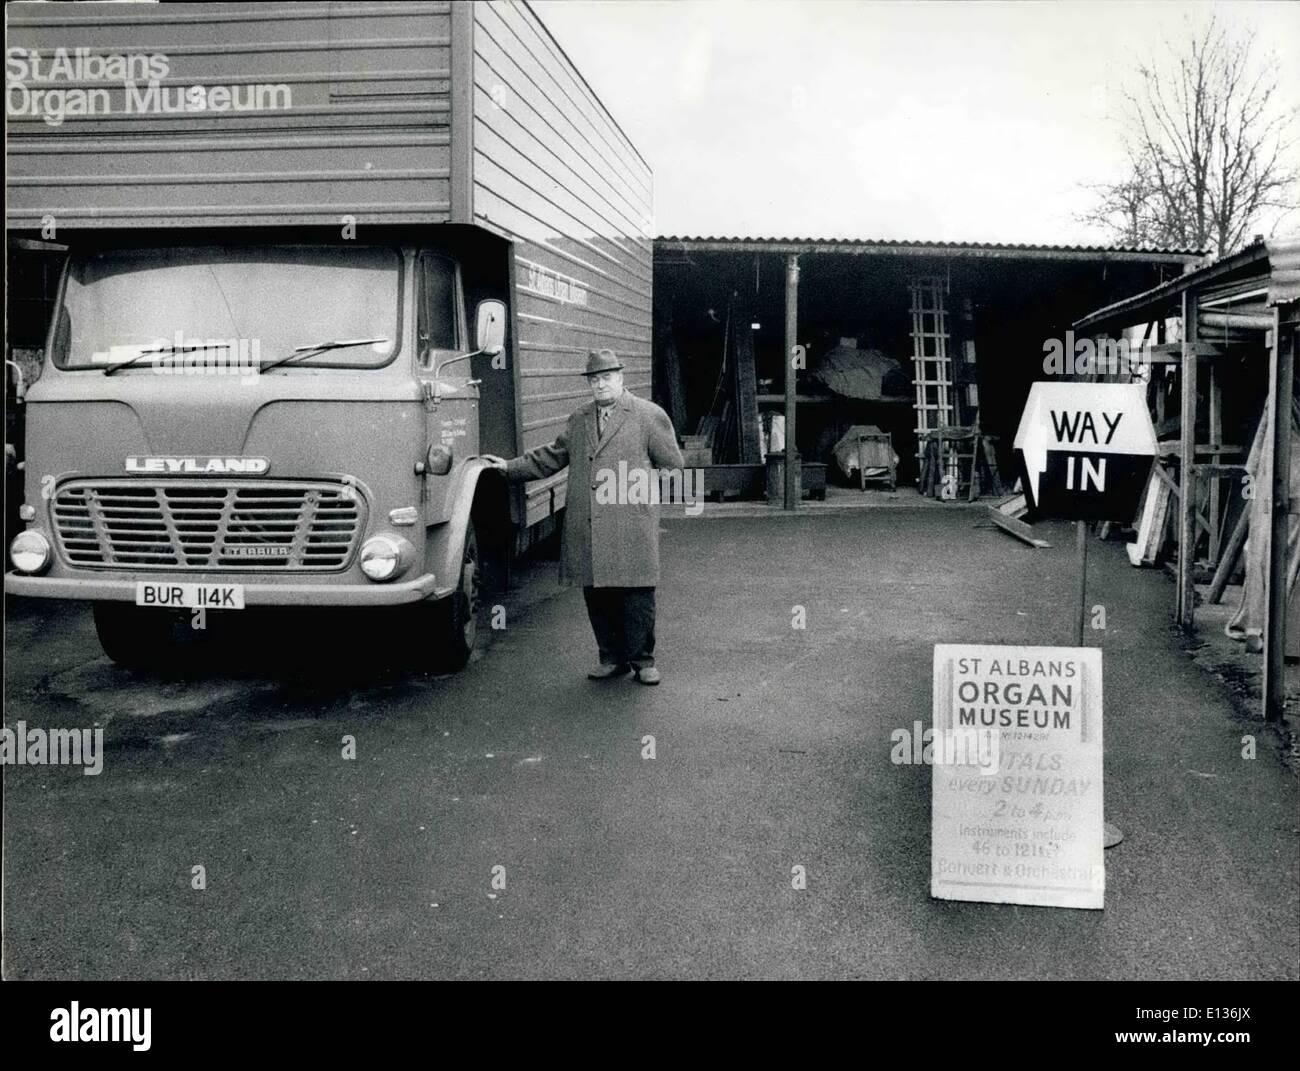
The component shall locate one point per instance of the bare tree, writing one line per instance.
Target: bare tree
(1127, 208)
(1208, 145)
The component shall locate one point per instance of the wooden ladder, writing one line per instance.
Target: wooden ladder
(931, 365)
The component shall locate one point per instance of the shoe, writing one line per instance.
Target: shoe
(607, 671)
(647, 675)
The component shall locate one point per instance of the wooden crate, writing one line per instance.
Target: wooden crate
(733, 481)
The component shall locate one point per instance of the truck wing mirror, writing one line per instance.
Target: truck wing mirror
(20, 382)
(490, 327)
(490, 332)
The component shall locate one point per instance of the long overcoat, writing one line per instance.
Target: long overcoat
(611, 534)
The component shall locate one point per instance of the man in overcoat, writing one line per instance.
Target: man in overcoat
(614, 447)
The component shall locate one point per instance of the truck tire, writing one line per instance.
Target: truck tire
(134, 636)
(457, 617)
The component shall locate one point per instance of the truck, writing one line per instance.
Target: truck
(315, 260)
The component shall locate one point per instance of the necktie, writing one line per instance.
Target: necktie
(602, 416)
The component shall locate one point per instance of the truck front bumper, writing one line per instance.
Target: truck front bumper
(96, 589)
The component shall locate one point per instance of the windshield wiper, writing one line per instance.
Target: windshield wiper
(301, 352)
(153, 351)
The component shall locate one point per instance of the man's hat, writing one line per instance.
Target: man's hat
(602, 361)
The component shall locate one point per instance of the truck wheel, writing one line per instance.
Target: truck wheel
(459, 614)
(134, 636)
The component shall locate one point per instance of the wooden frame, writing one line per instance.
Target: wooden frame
(1265, 278)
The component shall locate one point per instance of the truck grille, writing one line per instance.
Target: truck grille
(205, 525)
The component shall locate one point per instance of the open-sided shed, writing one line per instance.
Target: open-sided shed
(965, 323)
(1229, 331)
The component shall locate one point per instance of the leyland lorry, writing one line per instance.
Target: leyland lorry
(320, 257)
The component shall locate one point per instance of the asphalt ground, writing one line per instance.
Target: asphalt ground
(508, 821)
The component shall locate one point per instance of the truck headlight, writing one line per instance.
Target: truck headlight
(384, 557)
(30, 552)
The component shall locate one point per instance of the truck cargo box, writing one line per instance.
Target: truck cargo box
(275, 114)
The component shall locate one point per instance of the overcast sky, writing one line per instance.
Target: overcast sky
(842, 118)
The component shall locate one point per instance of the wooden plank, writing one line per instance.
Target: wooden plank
(707, 429)
(1176, 493)
(925, 483)
(1017, 528)
(1145, 550)
(1185, 601)
(1216, 435)
(1281, 375)
(1175, 352)
(1241, 527)
(991, 460)
(1232, 551)
(722, 438)
(749, 423)
(1174, 447)
(1220, 471)
(792, 474)
(1013, 505)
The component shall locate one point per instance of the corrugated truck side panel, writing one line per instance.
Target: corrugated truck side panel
(344, 111)
(360, 121)
(553, 173)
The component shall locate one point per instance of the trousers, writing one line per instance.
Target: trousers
(623, 620)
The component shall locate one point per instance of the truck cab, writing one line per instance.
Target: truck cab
(284, 334)
(226, 422)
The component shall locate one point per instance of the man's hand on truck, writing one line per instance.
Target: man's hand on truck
(496, 462)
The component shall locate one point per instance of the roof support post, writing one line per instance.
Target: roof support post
(792, 462)
(1216, 443)
(1281, 360)
(1186, 597)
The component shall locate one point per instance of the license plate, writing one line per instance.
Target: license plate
(189, 596)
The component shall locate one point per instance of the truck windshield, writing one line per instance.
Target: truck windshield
(261, 302)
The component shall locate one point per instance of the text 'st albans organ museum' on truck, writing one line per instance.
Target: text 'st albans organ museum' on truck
(288, 322)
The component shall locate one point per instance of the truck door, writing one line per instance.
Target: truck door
(440, 316)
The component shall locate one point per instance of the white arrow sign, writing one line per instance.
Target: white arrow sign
(1083, 425)
(1035, 448)
(1098, 418)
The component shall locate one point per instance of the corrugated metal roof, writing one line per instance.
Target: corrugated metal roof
(923, 246)
(1284, 259)
(1276, 260)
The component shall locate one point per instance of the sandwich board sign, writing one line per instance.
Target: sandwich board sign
(1084, 450)
(1016, 800)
